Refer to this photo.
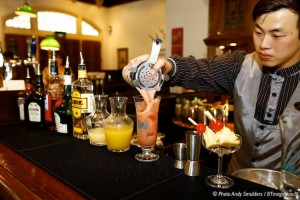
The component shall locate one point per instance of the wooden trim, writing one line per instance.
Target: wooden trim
(21, 179)
(122, 54)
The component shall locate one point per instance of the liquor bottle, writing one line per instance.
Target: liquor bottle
(63, 114)
(31, 62)
(24, 95)
(53, 94)
(82, 94)
(34, 105)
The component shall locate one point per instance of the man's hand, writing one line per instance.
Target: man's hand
(162, 63)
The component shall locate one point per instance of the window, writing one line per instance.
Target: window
(87, 29)
(53, 22)
(19, 22)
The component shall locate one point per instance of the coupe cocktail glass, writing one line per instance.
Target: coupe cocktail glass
(147, 125)
(219, 180)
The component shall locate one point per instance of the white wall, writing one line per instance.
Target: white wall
(192, 15)
(133, 24)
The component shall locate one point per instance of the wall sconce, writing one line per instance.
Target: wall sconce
(50, 43)
(25, 9)
(109, 29)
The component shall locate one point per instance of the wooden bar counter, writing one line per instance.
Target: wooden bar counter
(21, 179)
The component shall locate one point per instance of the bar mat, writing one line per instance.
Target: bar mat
(98, 172)
(29, 138)
(196, 188)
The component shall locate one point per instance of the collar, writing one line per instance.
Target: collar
(284, 72)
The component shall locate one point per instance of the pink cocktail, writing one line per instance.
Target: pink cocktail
(147, 126)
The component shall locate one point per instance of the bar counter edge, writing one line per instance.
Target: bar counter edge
(22, 179)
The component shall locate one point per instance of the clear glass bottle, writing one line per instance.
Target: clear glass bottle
(63, 114)
(53, 94)
(82, 95)
(95, 121)
(118, 127)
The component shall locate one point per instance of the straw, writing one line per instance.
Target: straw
(209, 115)
(192, 121)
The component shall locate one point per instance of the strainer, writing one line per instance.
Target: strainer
(140, 76)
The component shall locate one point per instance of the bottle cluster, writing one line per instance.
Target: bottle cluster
(59, 108)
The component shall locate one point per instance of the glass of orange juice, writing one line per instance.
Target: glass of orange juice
(118, 127)
(147, 125)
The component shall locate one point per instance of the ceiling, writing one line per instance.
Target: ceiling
(106, 3)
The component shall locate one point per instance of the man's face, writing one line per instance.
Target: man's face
(276, 38)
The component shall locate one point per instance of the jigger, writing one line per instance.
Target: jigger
(180, 155)
(193, 143)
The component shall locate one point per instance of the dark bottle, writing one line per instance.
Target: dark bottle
(53, 94)
(34, 105)
(63, 114)
(24, 95)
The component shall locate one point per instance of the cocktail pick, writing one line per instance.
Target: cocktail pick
(209, 116)
(192, 121)
(216, 125)
(199, 127)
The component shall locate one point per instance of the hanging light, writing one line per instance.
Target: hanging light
(50, 43)
(25, 9)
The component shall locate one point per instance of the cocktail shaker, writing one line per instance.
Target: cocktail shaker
(193, 143)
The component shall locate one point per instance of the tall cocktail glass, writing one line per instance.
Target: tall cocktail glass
(147, 126)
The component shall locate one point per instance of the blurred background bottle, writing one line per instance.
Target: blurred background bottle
(82, 94)
(53, 94)
(24, 95)
(34, 105)
(63, 114)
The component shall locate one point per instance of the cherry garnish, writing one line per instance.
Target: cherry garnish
(216, 125)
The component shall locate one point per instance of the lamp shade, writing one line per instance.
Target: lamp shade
(50, 43)
(25, 9)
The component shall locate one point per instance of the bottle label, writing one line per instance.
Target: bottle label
(21, 102)
(89, 102)
(34, 111)
(82, 74)
(81, 103)
(22, 114)
(48, 108)
(67, 79)
(61, 128)
(78, 130)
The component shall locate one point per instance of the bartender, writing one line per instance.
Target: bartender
(264, 84)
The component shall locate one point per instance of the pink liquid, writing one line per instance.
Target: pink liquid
(147, 122)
